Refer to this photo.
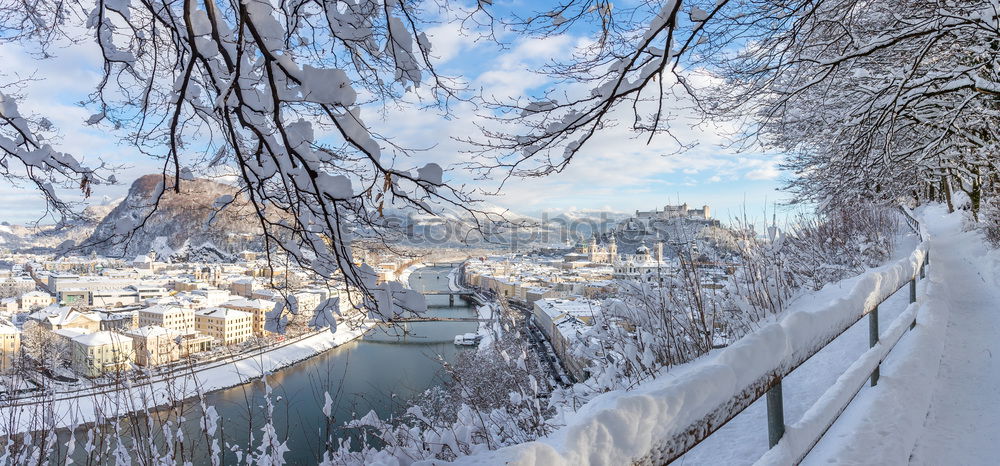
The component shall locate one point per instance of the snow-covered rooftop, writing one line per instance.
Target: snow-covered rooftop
(152, 331)
(103, 338)
(224, 313)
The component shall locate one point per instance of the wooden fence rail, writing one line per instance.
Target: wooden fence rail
(769, 384)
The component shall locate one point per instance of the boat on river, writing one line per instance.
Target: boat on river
(468, 339)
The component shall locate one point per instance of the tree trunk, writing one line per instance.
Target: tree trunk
(946, 191)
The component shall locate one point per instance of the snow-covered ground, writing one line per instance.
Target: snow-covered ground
(453, 280)
(620, 426)
(404, 276)
(89, 405)
(938, 401)
(487, 329)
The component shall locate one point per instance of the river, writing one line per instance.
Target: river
(380, 371)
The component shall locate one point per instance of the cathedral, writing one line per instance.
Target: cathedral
(609, 254)
(602, 254)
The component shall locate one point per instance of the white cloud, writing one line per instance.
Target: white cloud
(765, 170)
(616, 170)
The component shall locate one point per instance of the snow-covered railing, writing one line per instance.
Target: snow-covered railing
(659, 424)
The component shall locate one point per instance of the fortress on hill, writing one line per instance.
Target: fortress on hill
(676, 211)
(669, 230)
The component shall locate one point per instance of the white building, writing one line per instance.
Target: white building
(211, 297)
(36, 300)
(173, 317)
(563, 321)
(16, 286)
(643, 266)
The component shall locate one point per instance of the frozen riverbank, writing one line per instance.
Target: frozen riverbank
(404, 276)
(66, 410)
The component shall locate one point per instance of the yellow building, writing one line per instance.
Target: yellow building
(10, 345)
(193, 343)
(100, 353)
(228, 326)
(173, 317)
(154, 345)
(66, 317)
(258, 308)
(36, 300)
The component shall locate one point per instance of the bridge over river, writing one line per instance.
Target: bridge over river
(464, 294)
(438, 319)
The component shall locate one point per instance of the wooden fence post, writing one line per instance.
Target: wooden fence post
(775, 415)
(873, 339)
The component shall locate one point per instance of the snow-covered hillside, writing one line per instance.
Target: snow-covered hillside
(177, 222)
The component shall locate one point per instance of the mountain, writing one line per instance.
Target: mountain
(584, 224)
(189, 225)
(46, 238)
(186, 223)
(547, 228)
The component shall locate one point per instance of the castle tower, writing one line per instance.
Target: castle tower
(708, 213)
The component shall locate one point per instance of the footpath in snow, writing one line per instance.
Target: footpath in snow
(963, 423)
(938, 400)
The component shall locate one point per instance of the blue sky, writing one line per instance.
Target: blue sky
(615, 171)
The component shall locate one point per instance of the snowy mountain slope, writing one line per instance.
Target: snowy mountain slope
(22, 237)
(180, 219)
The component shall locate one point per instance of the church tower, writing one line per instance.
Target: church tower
(613, 250)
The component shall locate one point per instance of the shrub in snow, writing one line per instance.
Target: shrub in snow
(990, 220)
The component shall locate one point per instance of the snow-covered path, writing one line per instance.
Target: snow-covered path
(938, 400)
(963, 423)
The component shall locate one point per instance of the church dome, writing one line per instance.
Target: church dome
(642, 250)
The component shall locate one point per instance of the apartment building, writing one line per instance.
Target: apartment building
(100, 353)
(125, 296)
(228, 326)
(258, 308)
(10, 345)
(155, 345)
(173, 317)
(66, 317)
(36, 300)
(244, 287)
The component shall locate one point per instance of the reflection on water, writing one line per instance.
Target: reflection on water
(379, 372)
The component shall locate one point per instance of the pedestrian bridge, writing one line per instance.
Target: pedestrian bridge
(465, 294)
(439, 319)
